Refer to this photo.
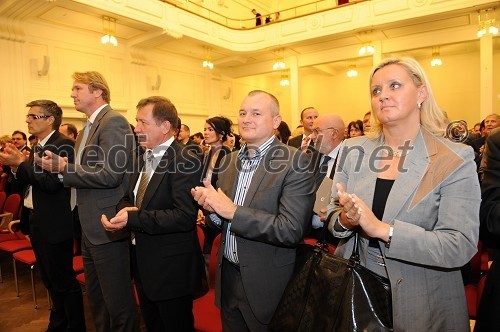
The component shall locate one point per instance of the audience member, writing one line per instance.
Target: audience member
(178, 129)
(69, 130)
(492, 121)
(20, 141)
(104, 151)
(283, 132)
(412, 196)
(258, 17)
(33, 140)
(217, 131)
(230, 142)
(4, 139)
(46, 215)
(159, 209)
(263, 206)
(489, 307)
(366, 121)
(304, 142)
(355, 129)
(183, 136)
(328, 133)
(276, 16)
(198, 138)
(476, 129)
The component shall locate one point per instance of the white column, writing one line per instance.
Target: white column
(295, 99)
(486, 75)
(377, 56)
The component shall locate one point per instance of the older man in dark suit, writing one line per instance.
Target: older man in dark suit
(158, 208)
(489, 308)
(104, 150)
(46, 215)
(263, 206)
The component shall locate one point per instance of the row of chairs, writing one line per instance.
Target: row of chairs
(13, 242)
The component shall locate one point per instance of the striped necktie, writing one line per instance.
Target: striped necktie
(146, 172)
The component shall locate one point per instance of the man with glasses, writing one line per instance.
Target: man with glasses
(328, 134)
(46, 215)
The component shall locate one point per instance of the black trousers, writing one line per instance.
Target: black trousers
(169, 315)
(55, 261)
(109, 286)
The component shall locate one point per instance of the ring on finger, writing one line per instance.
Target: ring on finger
(348, 216)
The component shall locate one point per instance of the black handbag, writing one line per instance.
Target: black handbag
(330, 293)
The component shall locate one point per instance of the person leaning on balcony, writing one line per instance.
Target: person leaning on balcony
(413, 197)
(258, 18)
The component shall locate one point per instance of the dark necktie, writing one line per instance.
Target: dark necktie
(146, 171)
(320, 172)
(323, 168)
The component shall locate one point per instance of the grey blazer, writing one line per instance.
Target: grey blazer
(102, 178)
(434, 209)
(269, 225)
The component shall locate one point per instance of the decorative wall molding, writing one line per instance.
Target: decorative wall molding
(12, 29)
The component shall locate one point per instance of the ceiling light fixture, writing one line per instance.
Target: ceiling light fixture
(284, 79)
(436, 57)
(207, 62)
(486, 22)
(366, 49)
(109, 27)
(352, 72)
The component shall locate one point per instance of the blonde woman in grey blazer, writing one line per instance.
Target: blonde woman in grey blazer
(414, 198)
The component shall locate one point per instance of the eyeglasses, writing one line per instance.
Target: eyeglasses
(36, 116)
(317, 130)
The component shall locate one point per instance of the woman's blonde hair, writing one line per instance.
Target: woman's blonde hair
(431, 116)
(4, 139)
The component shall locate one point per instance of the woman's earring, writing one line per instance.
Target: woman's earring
(419, 105)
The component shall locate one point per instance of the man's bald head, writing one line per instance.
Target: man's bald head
(328, 132)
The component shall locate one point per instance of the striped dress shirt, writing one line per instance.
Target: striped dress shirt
(249, 165)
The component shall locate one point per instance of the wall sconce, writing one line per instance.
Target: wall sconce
(45, 68)
(284, 79)
(109, 27)
(352, 72)
(486, 22)
(156, 86)
(436, 57)
(366, 49)
(279, 64)
(207, 62)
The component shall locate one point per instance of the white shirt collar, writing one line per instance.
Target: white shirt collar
(96, 113)
(44, 141)
(159, 150)
(333, 154)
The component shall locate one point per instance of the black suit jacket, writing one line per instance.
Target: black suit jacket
(489, 308)
(51, 201)
(296, 142)
(168, 253)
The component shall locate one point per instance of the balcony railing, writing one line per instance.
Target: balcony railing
(245, 24)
